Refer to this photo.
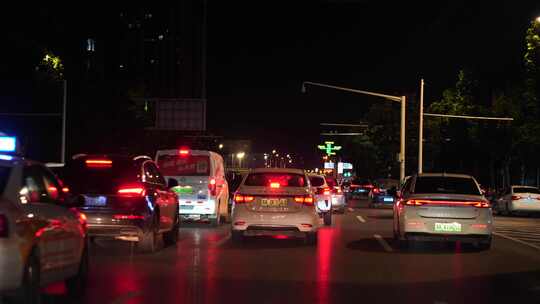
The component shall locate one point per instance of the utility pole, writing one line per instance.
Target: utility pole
(421, 129)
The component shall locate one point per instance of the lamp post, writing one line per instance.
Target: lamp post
(240, 156)
(400, 99)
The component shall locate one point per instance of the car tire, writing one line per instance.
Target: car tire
(76, 285)
(311, 238)
(327, 218)
(170, 238)
(148, 242)
(237, 236)
(29, 292)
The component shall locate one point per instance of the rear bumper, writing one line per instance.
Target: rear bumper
(427, 237)
(261, 223)
(524, 206)
(11, 266)
(104, 225)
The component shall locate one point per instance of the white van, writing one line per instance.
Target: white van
(198, 178)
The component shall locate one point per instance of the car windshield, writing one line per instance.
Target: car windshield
(82, 178)
(446, 185)
(526, 190)
(191, 165)
(316, 181)
(270, 179)
(4, 176)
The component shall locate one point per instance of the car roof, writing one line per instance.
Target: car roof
(123, 157)
(277, 170)
(192, 152)
(444, 175)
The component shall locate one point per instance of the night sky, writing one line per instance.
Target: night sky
(259, 54)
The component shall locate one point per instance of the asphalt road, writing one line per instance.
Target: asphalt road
(355, 261)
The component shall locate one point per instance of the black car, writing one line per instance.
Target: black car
(124, 198)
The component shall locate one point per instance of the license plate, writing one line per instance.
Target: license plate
(274, 202)
(186, 207)
(447, 227)
(388, 199)
(95, 201)
(179, 190)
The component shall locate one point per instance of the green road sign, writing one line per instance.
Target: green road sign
(329, 148)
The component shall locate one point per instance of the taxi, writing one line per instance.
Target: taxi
(42, 241)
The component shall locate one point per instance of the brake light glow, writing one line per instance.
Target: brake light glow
(3, 226)
(479, 226)
(212, 186)
(98, 163)
(274, 185)
(128, 217)
(240, 198)
(477, 204)
(131, 191)
(65, 189)
(326, 191)
(306, 200)
(516, 197)
(376, 190)
(337, 190)
(184, 151)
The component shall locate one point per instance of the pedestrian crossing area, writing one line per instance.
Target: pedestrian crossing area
(521, 230)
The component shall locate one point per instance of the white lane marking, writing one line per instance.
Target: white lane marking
(439, 302)
(383, 243)
(351, 209)
(223, 240)
(360, 218)
(516, 240)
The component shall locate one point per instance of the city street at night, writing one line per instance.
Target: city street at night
(355, 260)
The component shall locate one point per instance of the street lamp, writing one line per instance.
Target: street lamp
(220, 146)
(240, 156)
(274, 151)
(537, 19)
(400, 99)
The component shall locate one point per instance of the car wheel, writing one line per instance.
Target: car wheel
(30, 289)
(237, 236)
(311, 238)
(171, 237)
(76, 285)
(148, 241)
(327, 218)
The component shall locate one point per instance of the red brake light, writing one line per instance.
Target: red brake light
(184, 151)
(337, 190)
(128, 217)
(240, 198)
(65, 189)
(212, 186)
(131, 190)
(98, 163)
(516, 197)
(477, 204)
(3, 226)
(274, 185)
(415, 203)
(326, 191)
(376, 190)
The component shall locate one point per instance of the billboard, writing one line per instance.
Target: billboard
(180, 114)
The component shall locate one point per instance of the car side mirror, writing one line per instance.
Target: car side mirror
(172, 182)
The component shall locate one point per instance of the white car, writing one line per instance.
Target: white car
(275, 201)
(203, 192)
(42, 241)
(442, 207)
(517, 199)
(323, 197)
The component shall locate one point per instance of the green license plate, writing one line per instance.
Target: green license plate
(274, 202)
(182, 190)
(447, 227)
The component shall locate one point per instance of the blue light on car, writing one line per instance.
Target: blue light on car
(6, 157)
(8, 143)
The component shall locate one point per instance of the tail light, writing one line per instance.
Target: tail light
(477, 204)
(376, 190)
(516, 197)
(337, 190)
(326, 191)
(3, 226)
(305, 199)
(241, 198)
(274, 185)
(131, 190)
(128, 217)
(98, 163)
(184, 151)
(65, 189)
(212, 186)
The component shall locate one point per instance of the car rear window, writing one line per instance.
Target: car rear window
(82, 179)
(526, 190)
(4, 176)
(331, 182)
(446, 185)
(192, 165)
(316, 181)
(284, 179)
